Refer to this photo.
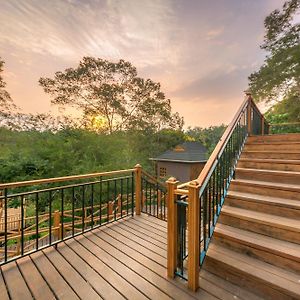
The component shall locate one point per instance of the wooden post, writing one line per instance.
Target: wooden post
(56, 224)
(193, 235)
(249, 112)
(172, 228)
(262, 125)
(138, 188)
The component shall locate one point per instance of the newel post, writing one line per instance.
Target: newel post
(138, 188)
(249, 112)
(193, 235)
(172, 227)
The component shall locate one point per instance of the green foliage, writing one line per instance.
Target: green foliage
(7, 107)
(279, 77)
(209, 137)
(33, 154)
(112, 96)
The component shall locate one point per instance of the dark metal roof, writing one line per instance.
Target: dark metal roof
(187, 152)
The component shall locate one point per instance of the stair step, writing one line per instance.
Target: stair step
(276, 252)
(273, 205)
(270, 164)
(274, 146)
(270, 225)
(288, 177)
(269, 281)
(271, 154)
(274, 137)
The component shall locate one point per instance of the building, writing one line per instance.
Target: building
(184, 162)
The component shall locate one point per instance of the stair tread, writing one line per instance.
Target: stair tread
(278, 185)
(276, 277)
(264, 218)
(271, 151)
(272, 160)
(273, 143)
(236, 291)
(283, 248)
(295, 204)
(279, 172)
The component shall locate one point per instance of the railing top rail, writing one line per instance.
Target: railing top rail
(61, 179)
(220, 146)
(153, 178)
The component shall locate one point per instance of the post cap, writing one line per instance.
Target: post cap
(171, 180)
(247, 92)
(137, 166)
(193, 183)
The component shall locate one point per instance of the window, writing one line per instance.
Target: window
(162, 172)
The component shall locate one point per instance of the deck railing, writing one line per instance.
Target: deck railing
(52, 210)
(194, 207)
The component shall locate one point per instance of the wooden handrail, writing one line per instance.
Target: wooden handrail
(60, 179)
(155, 180)
(222, 143)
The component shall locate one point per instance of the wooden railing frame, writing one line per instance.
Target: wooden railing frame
(195, 188)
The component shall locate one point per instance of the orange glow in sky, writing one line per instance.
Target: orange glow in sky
(201, 51)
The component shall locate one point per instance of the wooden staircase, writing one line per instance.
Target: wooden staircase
(256, 243)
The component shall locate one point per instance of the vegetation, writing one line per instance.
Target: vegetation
(112, 97)
(278, 79)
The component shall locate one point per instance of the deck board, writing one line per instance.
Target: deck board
(122, 260)
(36, 283)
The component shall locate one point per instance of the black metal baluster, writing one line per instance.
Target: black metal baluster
(50, 217)
(121, 197)
(107, 201)
(83, 209)
(127, 196)
(157, 208)
(22, 225)
(146, 196)
(92, 199)
(150, 194)
(100, 200)
(73, 211)
(62, 214)
(132, 194)
(37, 221)
(5, 224)
(115, 199)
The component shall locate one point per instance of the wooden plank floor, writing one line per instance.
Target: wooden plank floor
(124, 260)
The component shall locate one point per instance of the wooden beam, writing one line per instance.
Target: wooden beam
(172, 228)
(193, 235)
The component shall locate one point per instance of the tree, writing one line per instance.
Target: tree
(7, 107)
(278, 79)
(113, 94)
(209, 137)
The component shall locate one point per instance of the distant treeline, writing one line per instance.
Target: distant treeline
(32, 154)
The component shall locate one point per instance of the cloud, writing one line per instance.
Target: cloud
(214, 33)
(71, 29)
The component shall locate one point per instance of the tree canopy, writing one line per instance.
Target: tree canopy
(7, 107)
(112, 96)
(278, 79)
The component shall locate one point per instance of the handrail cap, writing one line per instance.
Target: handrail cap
(172, 180)
(193, 183)
(248, 92)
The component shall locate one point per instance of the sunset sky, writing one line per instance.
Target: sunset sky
(201, 51)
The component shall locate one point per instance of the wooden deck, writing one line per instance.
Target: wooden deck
(124, 260)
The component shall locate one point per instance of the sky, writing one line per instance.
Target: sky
(201, 51)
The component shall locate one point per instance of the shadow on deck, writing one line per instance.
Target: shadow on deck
(125, 259)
